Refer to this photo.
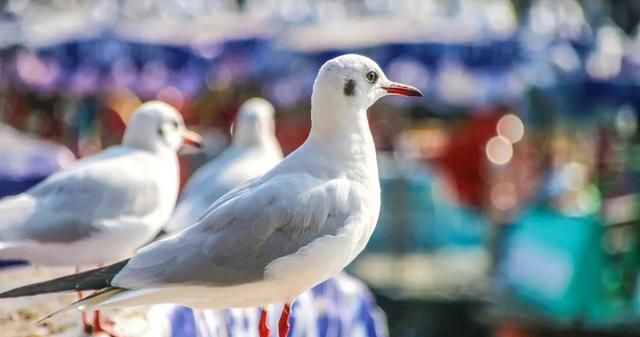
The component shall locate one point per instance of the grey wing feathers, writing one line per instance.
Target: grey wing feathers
(234, 243)
(70, 205)
(73, 231)
(89, 280)
(239, 190)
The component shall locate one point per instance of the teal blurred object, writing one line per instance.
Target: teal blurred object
(416, 217)
(553, 264)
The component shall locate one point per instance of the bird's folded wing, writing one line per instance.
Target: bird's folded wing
(205, 186)
(69, 206)
(234, 243)
(222, 171)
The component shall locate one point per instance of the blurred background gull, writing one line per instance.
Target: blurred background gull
(510, 192)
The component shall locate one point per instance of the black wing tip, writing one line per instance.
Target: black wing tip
(94, 279)
(11, 293)
(29, 290)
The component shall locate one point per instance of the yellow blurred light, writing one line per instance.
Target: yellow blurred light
(123, 102)
(575, 176)
(499, 150)
(511, 128)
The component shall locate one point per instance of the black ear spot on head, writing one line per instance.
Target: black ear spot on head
(349, 87)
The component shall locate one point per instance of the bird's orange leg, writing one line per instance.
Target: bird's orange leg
(264, 328)
(283, 325)
(100, 325)
(86, 324)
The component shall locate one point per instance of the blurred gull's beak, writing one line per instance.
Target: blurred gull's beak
(394, 88)
(191, 138)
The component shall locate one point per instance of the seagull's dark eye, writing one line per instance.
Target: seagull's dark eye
(174, 123)
(372, 76)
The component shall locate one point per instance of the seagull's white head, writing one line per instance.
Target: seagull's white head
(350, 84)
(356, 80)
(254, 123)
(158, 127)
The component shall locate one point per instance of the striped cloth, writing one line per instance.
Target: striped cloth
(339, 307)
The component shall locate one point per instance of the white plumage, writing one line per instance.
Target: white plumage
(105, 206)
(276, 236)
(254, 150)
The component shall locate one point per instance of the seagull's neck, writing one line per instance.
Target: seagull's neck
(256, 140)
(343, 137)
(155, 149)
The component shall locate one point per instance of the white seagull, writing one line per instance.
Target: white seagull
(254, 150)
(104, 207)
(274, 237)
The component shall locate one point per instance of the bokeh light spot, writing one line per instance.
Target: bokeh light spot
(499, 150)
(511, 128)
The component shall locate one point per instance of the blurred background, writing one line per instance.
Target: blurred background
(510, 192)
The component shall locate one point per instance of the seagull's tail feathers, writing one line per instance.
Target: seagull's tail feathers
(125, 298)
(95, 279)
(86, 303)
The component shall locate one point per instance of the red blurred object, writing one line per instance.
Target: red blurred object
(292, 133)
(463, 158)
(511, 330)
(113, 122)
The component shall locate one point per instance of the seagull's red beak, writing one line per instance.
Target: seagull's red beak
(402, 89)
(191, 138)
